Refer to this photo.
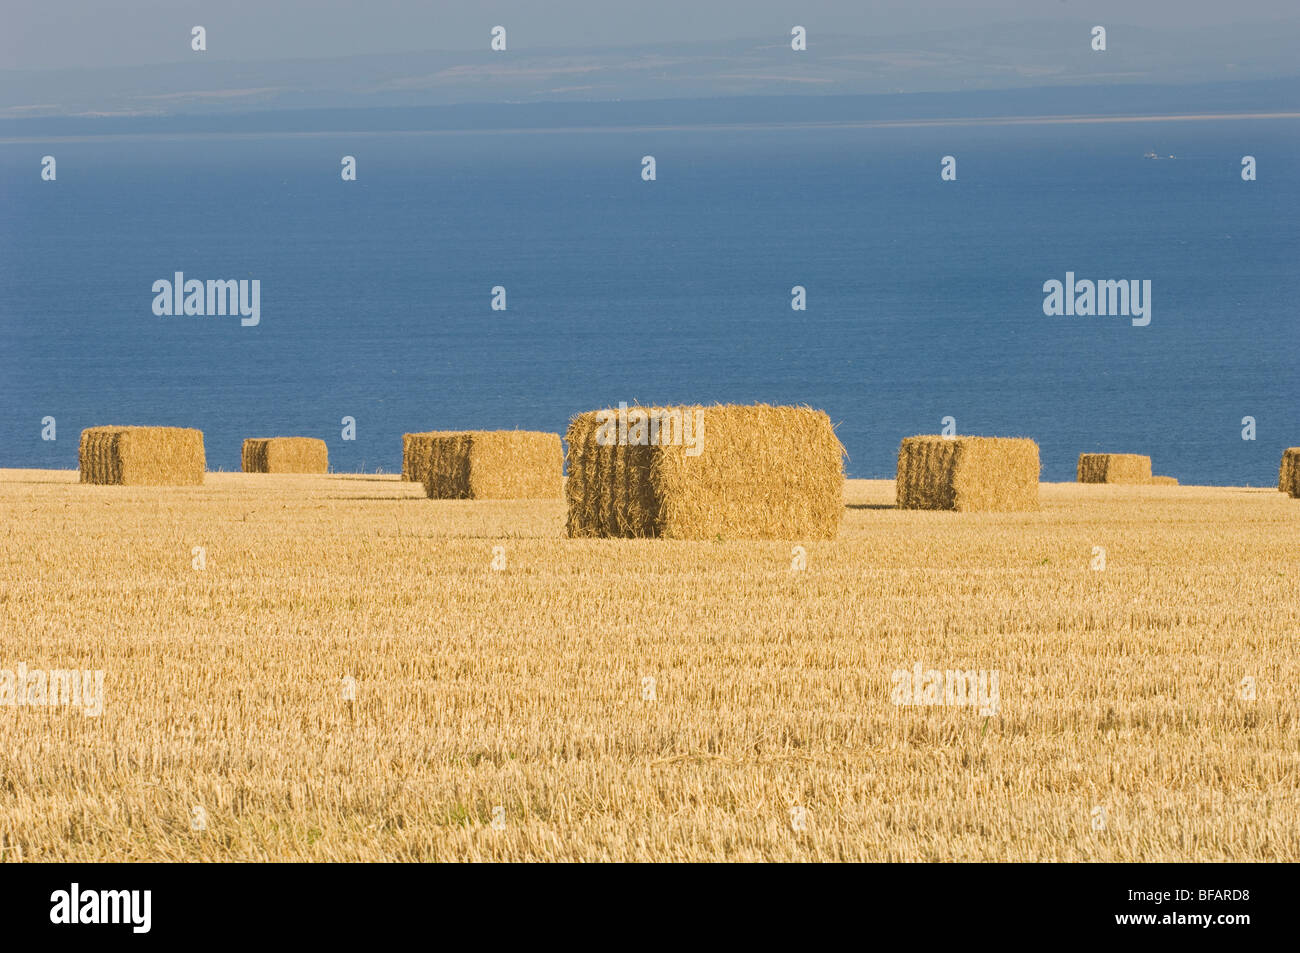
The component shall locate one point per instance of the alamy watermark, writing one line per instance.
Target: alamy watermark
(198, 298)
(955, 687)
(128, 907)
(52, 688)
(657, 427)
(1102, 298)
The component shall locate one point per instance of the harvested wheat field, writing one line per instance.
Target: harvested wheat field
(348, 678)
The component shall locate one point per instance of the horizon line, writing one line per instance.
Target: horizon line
(1058, 119)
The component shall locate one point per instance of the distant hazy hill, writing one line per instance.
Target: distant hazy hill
(1279, 95)
(995, 57)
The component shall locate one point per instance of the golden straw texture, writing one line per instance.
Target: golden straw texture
(693, 472)
(285, 455)
(415, 454)
(142, 456)
(1129, 468)
(492, 465)
(993, 474)
(1288, 477)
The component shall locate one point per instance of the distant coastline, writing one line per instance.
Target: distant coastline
(1251, 100)
(684, 127)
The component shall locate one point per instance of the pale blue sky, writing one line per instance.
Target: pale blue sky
(69, 33)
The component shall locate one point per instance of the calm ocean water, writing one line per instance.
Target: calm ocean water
(924, 297)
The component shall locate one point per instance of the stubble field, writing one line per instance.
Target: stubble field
(508, 714)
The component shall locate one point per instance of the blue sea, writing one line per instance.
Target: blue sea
(924, 297)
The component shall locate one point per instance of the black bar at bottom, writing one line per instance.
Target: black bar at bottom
(1219, 903)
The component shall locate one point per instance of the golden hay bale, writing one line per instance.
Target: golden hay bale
(491, 464)
(1165, 480)
(415, 454)
(692, 472)
(1114, 468)
(142, 456)
(1288, 475)
(285, 455)
(994, 474)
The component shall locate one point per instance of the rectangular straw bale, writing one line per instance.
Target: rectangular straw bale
(969, 474)
(285, 455)
(581, 463)
(1164, 480)
(491, 465)
(1288, 475)
(1131, 468)
(761, 472)
(415, 454)
(142, 456)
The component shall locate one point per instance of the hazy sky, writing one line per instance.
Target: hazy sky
(64, 33)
